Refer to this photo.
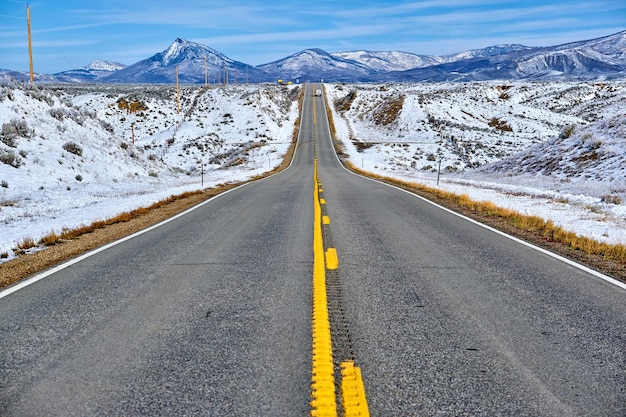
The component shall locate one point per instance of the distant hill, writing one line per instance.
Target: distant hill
(596, 151)
(93, 72)
(601, 58)
(189, 57)
(315, 65)
(597, 58)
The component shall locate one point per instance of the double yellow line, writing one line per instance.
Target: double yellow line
(323, 396)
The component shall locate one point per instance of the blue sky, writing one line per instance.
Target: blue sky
(69, 34)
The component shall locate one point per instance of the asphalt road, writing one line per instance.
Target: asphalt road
(448, 318)
(210, 314)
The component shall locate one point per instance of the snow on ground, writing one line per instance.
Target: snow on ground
(555, 150)
(68, 157)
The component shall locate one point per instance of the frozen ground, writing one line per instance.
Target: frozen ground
(555, 150)
(68, 157)
(550, 149)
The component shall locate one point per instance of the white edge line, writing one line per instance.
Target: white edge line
(513, 238)
(25, 283)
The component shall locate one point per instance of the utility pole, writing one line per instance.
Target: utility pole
(30, 45)
(177, 92)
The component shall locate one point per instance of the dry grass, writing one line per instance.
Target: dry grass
(500, 125)
(343, 104)
(389, 111)
(73, 242)
(546, 229)
(132, 106)
(26, 243)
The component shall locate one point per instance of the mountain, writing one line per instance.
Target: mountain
(488, 52)
(601, 58)
(386, 61)
(109, 66)
(189, 57)
(315, 65)
(597, 58)
(96, 70)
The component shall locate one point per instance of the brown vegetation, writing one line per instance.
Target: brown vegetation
(70, 243)
(131, 106)
(607, 258)
(343, 104)
(500, 124)
(388, 111)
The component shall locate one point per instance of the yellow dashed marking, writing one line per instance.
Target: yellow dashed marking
(332, 261)
(353, 391)
(323, 396)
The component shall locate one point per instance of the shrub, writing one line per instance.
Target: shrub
(26, 243)
(612, 199)
(5, 184)
(58, 113)
(389, 111)
(500, 125)
(567, 132)
(6, 92)
(72, 147)
(106, 126)
(344, 104)
(12, 129)
(10, 158)
(79, 177)
(50, 240)
(8, 138)
(21, 128)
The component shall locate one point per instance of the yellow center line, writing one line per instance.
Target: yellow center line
(323, 395)
(323, 401)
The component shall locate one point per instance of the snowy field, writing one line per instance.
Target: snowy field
(68, 157)
(74, 154)
(554, 150)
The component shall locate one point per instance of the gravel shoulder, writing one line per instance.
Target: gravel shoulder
(608, 267)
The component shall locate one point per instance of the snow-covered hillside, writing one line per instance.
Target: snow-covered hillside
(556, 150)
(68, 156)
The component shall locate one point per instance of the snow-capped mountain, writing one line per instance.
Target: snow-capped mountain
(488, 52)
(314, 65)
(100, 65)
(386, 61)
(189, 57)
(96, 70)
(596, 58)
(602, 58)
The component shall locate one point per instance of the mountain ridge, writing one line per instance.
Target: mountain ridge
(602, 57)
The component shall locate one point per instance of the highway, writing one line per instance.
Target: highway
(210, 314)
